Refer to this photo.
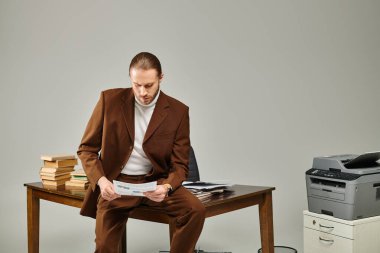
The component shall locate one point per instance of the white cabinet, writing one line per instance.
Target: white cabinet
(326, 234)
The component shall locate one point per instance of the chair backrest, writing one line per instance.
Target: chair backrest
(193, 167)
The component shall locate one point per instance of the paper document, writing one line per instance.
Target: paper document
(133, 189)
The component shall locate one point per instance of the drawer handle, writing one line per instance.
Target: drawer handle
(327, 227)
(326, 240)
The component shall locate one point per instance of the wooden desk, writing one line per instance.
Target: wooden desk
(241, 197)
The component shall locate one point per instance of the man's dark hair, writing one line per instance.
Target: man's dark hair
(145, 61)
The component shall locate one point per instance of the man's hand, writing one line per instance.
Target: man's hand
(107, 190)
(159, 194)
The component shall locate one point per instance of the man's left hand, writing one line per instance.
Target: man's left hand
(159, 194)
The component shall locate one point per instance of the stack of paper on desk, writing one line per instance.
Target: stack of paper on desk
(199, 185)
(207, 190)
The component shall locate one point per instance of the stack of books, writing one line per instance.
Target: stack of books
(78, 180)
(57, 168)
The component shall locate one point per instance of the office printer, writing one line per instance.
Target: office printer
(345, 186)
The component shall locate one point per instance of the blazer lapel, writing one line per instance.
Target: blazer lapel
(128, 109)
(159, 114)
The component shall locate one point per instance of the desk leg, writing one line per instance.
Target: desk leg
(266, 224)
(33, 212)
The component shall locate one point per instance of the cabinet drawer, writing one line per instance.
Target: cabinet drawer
(330, 227)
(318, 242)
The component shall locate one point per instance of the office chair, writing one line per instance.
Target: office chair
(193, 167)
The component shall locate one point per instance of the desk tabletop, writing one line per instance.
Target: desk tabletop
(236, 192)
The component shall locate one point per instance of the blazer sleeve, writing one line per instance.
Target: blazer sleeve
(180, 154)
(91, 143)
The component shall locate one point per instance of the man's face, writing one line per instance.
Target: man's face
(145, 84)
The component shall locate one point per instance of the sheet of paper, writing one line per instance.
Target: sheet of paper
(133, 189)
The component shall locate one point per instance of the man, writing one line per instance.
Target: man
(142, 136)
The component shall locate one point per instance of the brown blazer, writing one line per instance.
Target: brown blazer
(110, 130)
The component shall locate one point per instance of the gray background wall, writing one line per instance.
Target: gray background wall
(270, 84)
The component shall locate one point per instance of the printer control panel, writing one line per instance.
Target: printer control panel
(335, 174)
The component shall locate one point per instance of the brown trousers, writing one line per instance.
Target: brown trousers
(183, 206)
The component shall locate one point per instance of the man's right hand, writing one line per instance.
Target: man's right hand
(107, 190)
